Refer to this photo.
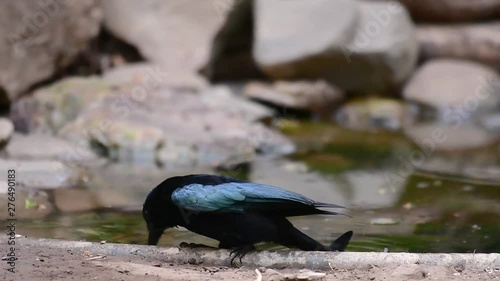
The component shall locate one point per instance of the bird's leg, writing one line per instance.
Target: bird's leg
(193, 245)
(238, 253)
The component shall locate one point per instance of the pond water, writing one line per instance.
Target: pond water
(398, 198)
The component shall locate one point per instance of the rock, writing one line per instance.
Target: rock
(452, 10)
(454, 86)
(37, 39)
(37, 146)
(43, 174)
(6, 130)
(356, 45)
(369, 114)
(145, 122)
(453, 97)
(478, 42)
(175, 34)
(314, 96)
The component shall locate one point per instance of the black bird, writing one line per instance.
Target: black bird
(237, 213)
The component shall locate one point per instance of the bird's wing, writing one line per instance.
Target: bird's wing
(243, 196)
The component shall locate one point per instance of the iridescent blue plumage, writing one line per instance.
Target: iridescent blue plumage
(241, 196)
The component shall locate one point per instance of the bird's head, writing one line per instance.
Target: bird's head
(158, 210)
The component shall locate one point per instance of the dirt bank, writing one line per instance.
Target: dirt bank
(45, 259)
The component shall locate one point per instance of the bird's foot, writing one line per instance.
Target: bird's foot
(237, 254)
(193, 245)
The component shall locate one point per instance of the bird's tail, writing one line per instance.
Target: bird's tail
(341, 243)
(294, 238)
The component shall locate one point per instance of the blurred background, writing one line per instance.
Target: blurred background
(390, 108)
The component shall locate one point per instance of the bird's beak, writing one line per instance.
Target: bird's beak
(154, 234)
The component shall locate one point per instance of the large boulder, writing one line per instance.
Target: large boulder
(148, 120)
(38, 38)
(450, 99)
(478, 42)
(453, 10)
(175, 34)
(357, 45)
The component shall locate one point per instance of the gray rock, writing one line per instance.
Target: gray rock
(453, 97)
(43, 174)
(357, 45)
(478, 42)
(455, 85)
(37, 146)
(175, 34)
(384, 50)
(39, 38)
(149, 120)
(452, 10)
(6, 130)
(305, 95)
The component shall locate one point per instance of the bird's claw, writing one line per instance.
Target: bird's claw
(237, 254)
(236, 257)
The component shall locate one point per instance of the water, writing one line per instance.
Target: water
(445, 202)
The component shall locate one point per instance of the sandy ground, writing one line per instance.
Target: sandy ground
(39, 263)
